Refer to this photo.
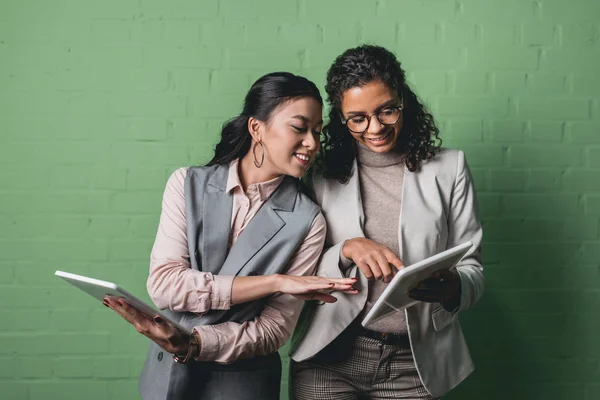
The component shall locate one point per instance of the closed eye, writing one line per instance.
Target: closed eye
(299, 129)
(358, 119)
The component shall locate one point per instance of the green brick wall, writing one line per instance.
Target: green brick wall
(101, 100)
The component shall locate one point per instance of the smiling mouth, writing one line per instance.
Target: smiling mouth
(303, 159)
(380, 139)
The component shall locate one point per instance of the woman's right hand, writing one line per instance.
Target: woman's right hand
(314, 287)
(373, 259)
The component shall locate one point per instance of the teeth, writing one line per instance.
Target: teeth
(302, 157)
(379, 139)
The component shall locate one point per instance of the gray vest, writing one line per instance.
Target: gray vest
(264, 248)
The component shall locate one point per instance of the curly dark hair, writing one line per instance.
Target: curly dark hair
(419, 139)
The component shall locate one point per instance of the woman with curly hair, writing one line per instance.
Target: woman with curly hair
(391, 196)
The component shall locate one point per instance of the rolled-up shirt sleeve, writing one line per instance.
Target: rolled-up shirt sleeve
(172, 284)
(229, 341)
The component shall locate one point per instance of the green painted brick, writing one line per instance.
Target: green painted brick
(191, 81)
(592, 205)
(73, 367)
(553, 156)
(498, 34)
(507, 131)
(234, 82)
(585, 133)
(561, 60)
(591, 252)
(585, 85)
(473, 106)
(178, 9)
(7, 368)
(543, 34)
(466, 33)
(16, 389)
(183, 57)
(426, 33)
(542, 205)
(140, 202)
(146, 178)
(68, 390)
(513, 10)
(126, 389)
(423, 11)
(545, 181)
(582, 180)
(469, 83)
(509, 83)
(111, 367)
(554, 109)
(546, 131)
(464, 130)
(487, 59)
(428, 83)
(547, 84)
(34, 367)
(129, 250)
(484, 155)
(109, 227)
(594, 158)
(183, 31)
(508, 180)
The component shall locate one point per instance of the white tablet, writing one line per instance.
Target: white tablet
(98, 289)
(395, 296)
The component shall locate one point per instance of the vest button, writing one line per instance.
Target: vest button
(160, 356)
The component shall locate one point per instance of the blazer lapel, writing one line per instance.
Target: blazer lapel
(265, 224)
(216, 215)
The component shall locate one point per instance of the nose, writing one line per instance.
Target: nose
(311, 141)
(374, 125)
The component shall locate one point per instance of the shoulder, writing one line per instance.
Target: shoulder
(445, 162)
(176, 181)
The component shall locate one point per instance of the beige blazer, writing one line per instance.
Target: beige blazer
(438, 211)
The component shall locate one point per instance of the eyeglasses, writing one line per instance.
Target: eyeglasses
(387, 116)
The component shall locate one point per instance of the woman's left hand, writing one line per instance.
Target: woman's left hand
(156, 329)
(443, 287)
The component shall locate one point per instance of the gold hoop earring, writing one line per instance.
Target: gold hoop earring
(262, 159)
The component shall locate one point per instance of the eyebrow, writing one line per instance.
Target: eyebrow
(304, 119)
(379, 108)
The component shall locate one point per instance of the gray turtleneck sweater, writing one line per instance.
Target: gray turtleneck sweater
(381, 180)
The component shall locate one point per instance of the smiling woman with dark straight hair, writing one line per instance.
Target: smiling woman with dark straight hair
(234, 253)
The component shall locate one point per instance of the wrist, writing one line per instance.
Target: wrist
(275, 283)
(182, 347)
(192, 349)
(346, 250)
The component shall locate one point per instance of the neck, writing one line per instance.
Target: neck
(373, 159)
(250, 174)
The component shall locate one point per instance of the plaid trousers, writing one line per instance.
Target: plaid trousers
(373, 371)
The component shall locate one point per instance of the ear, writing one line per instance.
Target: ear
(255, 129)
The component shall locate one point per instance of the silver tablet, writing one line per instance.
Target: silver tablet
(395, 296)
(98, 289)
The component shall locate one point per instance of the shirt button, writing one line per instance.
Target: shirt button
(160, 356)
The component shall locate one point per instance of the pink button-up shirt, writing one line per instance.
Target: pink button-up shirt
(174, 285)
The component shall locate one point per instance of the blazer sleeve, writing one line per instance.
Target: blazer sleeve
(464, 225)
(331, 264)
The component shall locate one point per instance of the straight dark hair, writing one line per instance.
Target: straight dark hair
(266, 94)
